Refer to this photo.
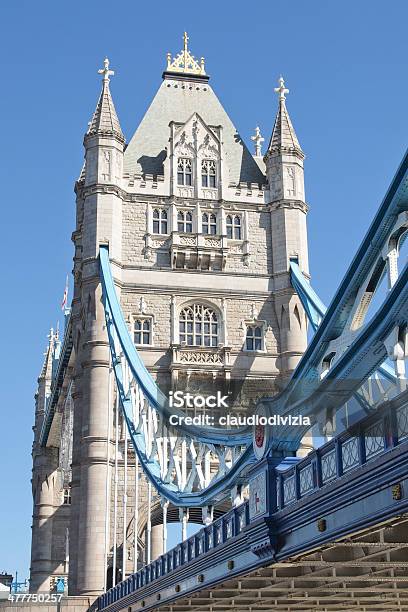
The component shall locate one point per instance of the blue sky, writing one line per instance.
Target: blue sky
(344, 63)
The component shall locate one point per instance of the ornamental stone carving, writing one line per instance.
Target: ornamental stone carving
(184, 148)
(200, 358)
(207, 149)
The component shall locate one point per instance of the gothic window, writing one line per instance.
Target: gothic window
(209, 223)
(159, 221)
(185, 222)
(67, 497)
(143, 332)
(234, 227)
(184, 171)
(198, 326)
(254, 338)
(208, 173)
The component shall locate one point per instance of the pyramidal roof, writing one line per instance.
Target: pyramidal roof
(105, 119)
(177, 101)
(283, 134)
(184, 92)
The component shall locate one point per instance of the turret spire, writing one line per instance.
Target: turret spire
(105, 120)
(258, 139)
(46, 370)
(283, 134)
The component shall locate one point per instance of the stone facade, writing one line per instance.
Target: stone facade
(193, 221)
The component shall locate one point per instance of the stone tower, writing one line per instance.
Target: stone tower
(50, 481)
(285, 176)
(200, 235)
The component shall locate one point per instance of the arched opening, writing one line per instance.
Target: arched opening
(199, 326)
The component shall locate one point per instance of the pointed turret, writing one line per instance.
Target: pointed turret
(283, 134)
(104, 140)
(46, 370)
(105, 121)
(51, 356)
(104, 144)
(284, 170)
(284, 157)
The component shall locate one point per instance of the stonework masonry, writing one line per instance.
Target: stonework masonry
(192, 221)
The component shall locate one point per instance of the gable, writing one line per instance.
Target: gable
(179, 101)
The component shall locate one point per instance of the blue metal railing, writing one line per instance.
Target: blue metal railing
(227, 526)
(351, 449)
(373, 436)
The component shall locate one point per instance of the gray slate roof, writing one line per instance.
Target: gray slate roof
(283, 133)
(105, 119)
(148, 147)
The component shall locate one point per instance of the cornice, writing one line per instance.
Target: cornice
(291, 204)
(170, 290)
(166, 200)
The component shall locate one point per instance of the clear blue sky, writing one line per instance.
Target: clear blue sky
(344, 63)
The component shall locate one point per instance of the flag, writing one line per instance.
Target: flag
(65, 298)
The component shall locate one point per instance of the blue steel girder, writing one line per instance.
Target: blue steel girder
(335, 335)
(314, 307)
(380, 231)
(147, 413)
(315, 311)
(292, 521)
(368, 350)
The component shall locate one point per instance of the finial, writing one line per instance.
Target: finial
(51, 336)
(258, 140)
(185, 39)
(105, 70)
(185, 62)
(185, 42)
(281, 90)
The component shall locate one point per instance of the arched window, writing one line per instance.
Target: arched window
(208, 173)
(185, 222)
(234, 227)
(209, 223)
(143, 332)
(159, 221)
(184, 171)
(198, 326)
(254, 339)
